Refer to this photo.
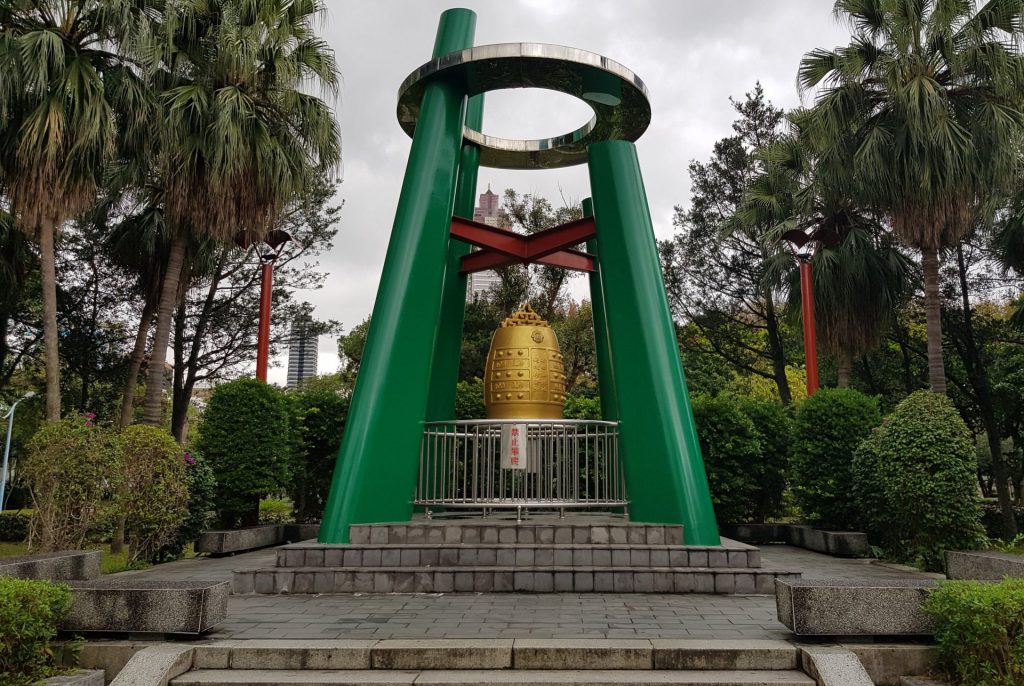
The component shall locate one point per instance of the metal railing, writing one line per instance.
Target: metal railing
(520, 464)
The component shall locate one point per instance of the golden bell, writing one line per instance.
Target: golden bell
(524, 377)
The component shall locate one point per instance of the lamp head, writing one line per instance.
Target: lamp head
(30, 394)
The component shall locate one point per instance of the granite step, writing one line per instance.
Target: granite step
(495, 677)
(735, 555)
(507, 531)
(530, 579)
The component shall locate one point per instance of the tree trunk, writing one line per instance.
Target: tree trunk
(933, 318)
(117, 540)
(48, 274)
(179, 404)
(155, 378)
(777, 353)
(135, 362)
(978, 377)
(844, 365)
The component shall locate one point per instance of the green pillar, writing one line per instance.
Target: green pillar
(375, 475)
(605, 375)
(444, 372)
(662, 459)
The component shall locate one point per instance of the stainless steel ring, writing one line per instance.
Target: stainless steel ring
(619, 99)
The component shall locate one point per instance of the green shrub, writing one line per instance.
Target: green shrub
(318, 421)
(992, 519)
(980, 631)
(13, 526)
(154, 490)
(245, 437)
(775, 431)
(29, 614)
(581, 407)
(72, 467)
(915, 478)
(829, 426)
(469, 400)
(732, 450)
(202, 488)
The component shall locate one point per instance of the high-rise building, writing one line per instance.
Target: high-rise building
(488, 212)
(302, 352)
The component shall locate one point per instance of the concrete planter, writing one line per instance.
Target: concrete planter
(294, 533)
(83, 677)
(854, 607)
(129, 605)
(983, 565)
(229, 541)
(65, 565)
(837, 543)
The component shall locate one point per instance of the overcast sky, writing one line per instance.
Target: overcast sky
(692, 54)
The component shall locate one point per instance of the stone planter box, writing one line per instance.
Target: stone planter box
(983, 565)
(129, 605)
(231, 541)
(854, 607)
(66, 565)
(838, 543)
(83, 677)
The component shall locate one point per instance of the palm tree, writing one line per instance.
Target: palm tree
(239, 136)
(65, 95)
(930, 92)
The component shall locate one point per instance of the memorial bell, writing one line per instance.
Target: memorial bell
(524, 377)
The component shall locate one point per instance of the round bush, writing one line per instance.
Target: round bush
(201, 504)
(71, 468)
(154, 489)
(916, 480)
(775, 431)
(245, 436)
(732, 450)
(30, 611)
(318, 420)
(829, 427)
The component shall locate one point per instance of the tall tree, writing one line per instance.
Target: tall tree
(65, 95)
(240, 136)
(717, 268)
(930, 92)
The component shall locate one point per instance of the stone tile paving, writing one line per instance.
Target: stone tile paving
(508, 615)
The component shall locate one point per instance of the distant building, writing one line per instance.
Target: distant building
(302, 351)
(488, 212)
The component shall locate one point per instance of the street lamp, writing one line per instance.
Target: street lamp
(803, 245)
(274, 240)
(7, 447)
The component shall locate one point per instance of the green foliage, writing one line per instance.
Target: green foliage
(980, 631)
(72, 466)
(469, 400)
(915, 480)
(774, 427)
(731, 447)
(992, 519)
(276, 511)
(13, 526)
(318, 421)
(581, 407)
(245, 436)
(154, 490)
(202, 486)
(829, 426)
(29, 614)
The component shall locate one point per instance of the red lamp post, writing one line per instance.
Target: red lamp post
(274, 240)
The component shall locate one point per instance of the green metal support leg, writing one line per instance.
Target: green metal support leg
(375, 475)
(605, 374)
(664, 470)
(444, 371)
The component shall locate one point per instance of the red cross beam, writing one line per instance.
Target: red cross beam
(500, 247)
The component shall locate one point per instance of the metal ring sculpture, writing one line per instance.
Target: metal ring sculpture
(617, 96)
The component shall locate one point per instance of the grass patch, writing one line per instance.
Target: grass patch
(109, 562)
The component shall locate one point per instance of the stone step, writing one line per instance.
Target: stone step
(736, 555)
(495, 677)
(581, 579)
(506, 531)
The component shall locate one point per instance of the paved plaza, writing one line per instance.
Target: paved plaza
(509, 615)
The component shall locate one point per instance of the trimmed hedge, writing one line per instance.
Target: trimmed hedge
(915, 481)
(30, 612)
(202, 488)
(829, 427)
(980, 631)
(774, 427)
(245, 436)
(731, 447)
(318, 421)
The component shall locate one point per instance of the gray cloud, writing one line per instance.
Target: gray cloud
(692, 54)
